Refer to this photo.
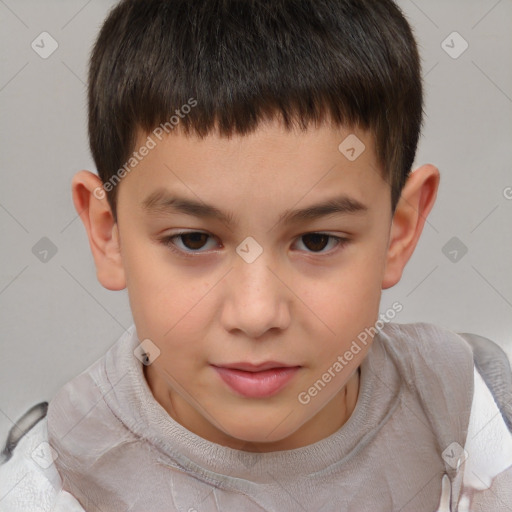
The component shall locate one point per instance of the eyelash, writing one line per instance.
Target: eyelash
(167, 242)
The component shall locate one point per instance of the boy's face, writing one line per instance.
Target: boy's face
(257, 286)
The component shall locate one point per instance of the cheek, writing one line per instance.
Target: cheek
(349, 292)
(167, 305)
(156, 291)
(346, 301)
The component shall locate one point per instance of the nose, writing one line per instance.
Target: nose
(257, 298)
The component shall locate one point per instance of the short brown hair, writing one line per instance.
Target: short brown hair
(244, 61)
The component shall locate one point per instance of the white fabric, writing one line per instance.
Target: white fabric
(26, 486)
(488, 449)
(489, 442)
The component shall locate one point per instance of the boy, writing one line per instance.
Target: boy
(254, 197)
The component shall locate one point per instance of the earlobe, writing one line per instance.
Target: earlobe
(91, 204)
(416, 201)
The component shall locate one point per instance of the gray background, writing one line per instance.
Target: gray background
(55, 317)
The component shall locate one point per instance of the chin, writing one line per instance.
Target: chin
(262, 432)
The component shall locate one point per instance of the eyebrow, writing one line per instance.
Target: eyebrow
(161, 201)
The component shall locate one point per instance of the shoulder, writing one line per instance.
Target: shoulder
(423, 336)
(484, 462)
(28, 478)
(463, 360)
(493, 367)
(429, 355)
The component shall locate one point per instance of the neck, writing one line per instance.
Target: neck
(325, 423)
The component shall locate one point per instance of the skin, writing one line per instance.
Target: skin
(300, 302)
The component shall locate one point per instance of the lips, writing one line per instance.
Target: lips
(249, 367)
(256, 380)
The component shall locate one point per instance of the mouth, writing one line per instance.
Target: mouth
(256, 380)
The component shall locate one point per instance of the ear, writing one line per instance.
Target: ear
(91, 204)
(416, 201)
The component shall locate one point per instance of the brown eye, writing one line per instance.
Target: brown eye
(187, 243)
(315, 241)
(194, 241)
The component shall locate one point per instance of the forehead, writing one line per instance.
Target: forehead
(270, 167)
